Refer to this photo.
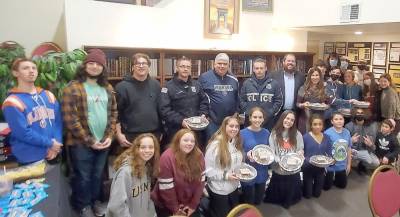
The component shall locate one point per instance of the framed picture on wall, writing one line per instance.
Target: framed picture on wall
(394, 72)
(379, 54)
(257, 5)
(394, 53)
(378, 72)
(340, 48)
(329, 47)
(221, 18)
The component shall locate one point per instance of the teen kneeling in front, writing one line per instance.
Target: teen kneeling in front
(223, 155)
(341, 151)
(181, 179)
(253, 191)
(130, 189)
(315, 143)
(285, 187)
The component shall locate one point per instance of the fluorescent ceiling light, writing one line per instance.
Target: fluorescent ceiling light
(358, 33)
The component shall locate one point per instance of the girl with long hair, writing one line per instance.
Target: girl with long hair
(223, 155)
(253, 191)
(181, 180)
(130, 189)
(285, 187)
(315, 143)
(313, 91)
(388, 101)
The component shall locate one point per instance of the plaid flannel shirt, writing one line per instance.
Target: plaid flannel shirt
(75, 114)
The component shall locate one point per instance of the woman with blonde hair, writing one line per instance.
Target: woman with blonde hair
(181, 180)
(223, 155)
(130, 189)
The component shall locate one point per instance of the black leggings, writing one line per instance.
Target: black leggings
(313, 181)
(253, 194)
(220, 205)
(339, 178)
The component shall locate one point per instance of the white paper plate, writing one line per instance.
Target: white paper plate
(291, 162)
(263, 150)
(242, 177)
(197, 123)
(321, 161)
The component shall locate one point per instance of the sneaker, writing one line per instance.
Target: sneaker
(86, 212)
(99, 208)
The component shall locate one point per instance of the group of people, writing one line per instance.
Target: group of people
(164, 167)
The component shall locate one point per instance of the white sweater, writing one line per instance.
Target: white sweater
(217, 176)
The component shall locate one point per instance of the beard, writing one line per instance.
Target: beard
(286, 68)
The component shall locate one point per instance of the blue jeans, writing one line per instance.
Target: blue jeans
(210, 130)
(88, 165)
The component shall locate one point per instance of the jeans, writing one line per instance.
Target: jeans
(88, 165)
(370, 160)
(210, 130)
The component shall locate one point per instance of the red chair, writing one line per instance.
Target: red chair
(245, 210)
(384, 192)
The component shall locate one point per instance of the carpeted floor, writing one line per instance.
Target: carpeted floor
(349, 202)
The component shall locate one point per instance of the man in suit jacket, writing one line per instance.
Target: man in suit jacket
(290, 81)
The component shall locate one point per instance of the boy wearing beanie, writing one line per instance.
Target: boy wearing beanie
(89, 112)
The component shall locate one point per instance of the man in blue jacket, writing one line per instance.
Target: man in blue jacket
(261, 91)
(222, 89)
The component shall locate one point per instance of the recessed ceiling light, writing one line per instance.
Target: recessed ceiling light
(358, 33)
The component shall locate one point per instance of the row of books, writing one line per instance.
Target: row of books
(119, 67)
(238, 67)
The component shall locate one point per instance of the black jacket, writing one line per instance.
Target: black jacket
(386, 146)
(138, 105)
(267, 95)
(180, 100)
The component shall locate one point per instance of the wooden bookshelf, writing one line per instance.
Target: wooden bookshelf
(163, 61)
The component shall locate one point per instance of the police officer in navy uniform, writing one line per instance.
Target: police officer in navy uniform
(182, 98)
(261, 91)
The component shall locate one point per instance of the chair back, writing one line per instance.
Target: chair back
(245, 210)
(384, 191)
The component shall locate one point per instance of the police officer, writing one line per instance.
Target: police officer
(182, 98)
(261, 91)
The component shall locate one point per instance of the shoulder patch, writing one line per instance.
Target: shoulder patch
(50, 96)
(164, 90)
(14, 101)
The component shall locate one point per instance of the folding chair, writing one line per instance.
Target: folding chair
(384, 192)
(245, 210)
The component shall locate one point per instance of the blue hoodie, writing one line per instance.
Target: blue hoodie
(223, 93)
(34, 120)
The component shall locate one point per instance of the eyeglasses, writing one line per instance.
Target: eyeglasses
(141, 64)
(185, 67)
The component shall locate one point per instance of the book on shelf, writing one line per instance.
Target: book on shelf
(153, 67)
(168, 67)
(118, 67)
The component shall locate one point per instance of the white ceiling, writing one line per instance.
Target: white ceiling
(375, 28)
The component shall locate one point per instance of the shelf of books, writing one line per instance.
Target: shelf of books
(163, 61)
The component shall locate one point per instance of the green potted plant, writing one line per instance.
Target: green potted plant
(56, 69)
(9, 51)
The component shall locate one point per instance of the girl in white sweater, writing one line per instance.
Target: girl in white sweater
(223, 155)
